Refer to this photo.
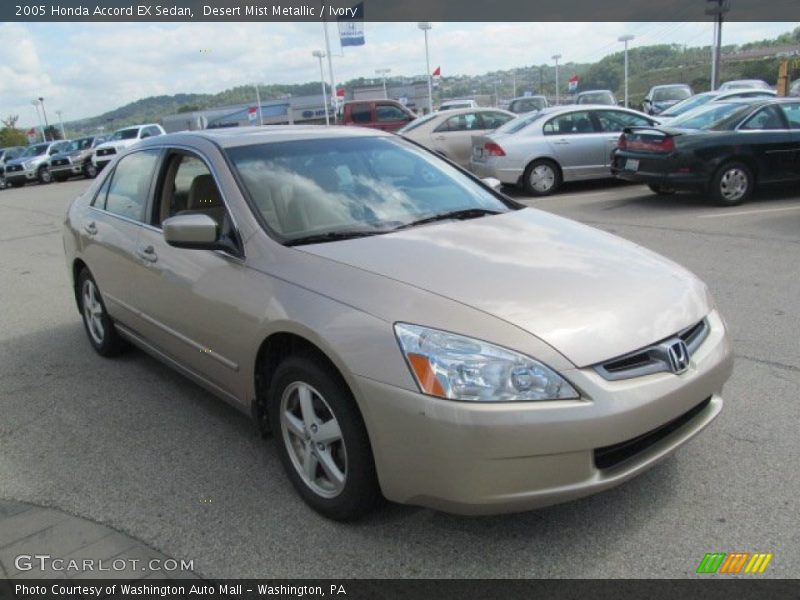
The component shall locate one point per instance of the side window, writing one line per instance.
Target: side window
(463, 122)
(493, 120)
(387, 112)
(768, 117)
(360, 113)
(792, 112)
(130, 185)
(154, 131)
(614, 121)
(570, 124)
(189, 187)
(99, 200)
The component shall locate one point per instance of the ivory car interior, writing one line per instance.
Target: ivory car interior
(404, 330)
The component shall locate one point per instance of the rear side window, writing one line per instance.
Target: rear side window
(569, 124)
(493, 120)
(463, 122)
(130, 185)
(614, 121)
(360, 113)
(768, 117)
(792, 112)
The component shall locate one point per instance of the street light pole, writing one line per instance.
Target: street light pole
(258, 101)
(425, 26)
(334, 94)
(61, 124)
(383, 73)
(39, 119)
(320, 55)
(717, 11)
(44, 114)
(555, 57)
(625, 39)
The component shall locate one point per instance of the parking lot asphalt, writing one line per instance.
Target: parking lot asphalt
(131, 444)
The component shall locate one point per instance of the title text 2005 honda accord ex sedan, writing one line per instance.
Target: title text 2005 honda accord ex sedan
(403, 330)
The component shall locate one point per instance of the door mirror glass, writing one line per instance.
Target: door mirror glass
(197, 231)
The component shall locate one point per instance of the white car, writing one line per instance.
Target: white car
(122, 139)
(717, 96)
(454, 104)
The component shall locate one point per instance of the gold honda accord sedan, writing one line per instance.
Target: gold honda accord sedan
(404, 331)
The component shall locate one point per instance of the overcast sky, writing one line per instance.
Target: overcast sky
(85, 69)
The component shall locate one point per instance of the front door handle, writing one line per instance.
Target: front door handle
(148, 253)
(561, 142)
(440, 138)
(90, 228)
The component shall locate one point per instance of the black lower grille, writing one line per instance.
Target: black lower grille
(611, 456)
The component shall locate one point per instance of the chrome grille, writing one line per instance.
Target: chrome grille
(106, 151)
(12, 168)
(653, 359)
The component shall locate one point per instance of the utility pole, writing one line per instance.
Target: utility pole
(39, 119)
(555, 57)
(626, 39)
(258, 103)
(334, 94)
(717, 9)
(320, 55)
(425, 27)
(61, 123)
(44, 113)
(383, 73)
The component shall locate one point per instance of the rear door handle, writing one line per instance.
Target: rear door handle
(440, 138)
(148, 253)
(90, 228)
(561, 142)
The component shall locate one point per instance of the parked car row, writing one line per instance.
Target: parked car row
(60, 160)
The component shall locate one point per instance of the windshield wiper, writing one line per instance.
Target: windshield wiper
(462, 214)
(331, 236)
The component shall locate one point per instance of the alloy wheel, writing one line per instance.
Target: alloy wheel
(93, 312)
(313, 439)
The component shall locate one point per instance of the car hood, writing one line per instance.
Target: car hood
(590, 295)
(117, 144)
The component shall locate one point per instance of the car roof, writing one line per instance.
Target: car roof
(596, 92)
(230, 137)
(668, 85)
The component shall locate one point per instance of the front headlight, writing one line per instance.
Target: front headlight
(460, 368)
(28, 164)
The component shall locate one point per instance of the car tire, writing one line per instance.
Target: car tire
(99, 327)
(541, 178)
(732, 184)
(661, 190)
(44, 175)
(309, 406)
(89, 170)
(2, 182)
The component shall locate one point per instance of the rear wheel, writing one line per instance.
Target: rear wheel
(99, 326)
(322, 440)
(661, 190)
(732, 184)
(541, 178)
(89, 170)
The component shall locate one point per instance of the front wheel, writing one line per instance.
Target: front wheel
(2, 182)
(99, 326)
(322, 440)
(541, 178)
(44, 175)
(732, 184)
(89, 170)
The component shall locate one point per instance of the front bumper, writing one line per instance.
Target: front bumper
(68, 169)
(484, 458)
(20, 176)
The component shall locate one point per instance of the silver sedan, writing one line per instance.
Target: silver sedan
(542, 150)
(449, 133)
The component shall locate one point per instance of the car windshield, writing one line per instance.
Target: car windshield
(710, 116)
(689, 104)
(125, 134)
(521, 122)
(417, 122)
(671, 93)
(596, 98)
(36, 150)
(309, 189)
(80, 144)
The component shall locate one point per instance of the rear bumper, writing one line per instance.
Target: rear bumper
(506, 175)
(484, 458)
(655, 170)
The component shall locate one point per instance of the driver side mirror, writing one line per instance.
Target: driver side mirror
(194, 231)
(493, 183)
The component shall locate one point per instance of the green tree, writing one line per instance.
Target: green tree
(188, 108)
(11, 136)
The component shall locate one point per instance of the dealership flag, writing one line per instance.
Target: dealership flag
(437, 76)
(573, 84)
(351, 29)
(252, 113)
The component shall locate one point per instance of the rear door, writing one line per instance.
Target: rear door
(110, 230)
(767, 136)
(577, 144)
(453, 137)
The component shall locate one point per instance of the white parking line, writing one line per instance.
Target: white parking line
(747, 212)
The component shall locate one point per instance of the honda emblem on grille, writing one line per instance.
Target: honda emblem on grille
(678, 355)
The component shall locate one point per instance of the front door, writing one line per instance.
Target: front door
(577, 145)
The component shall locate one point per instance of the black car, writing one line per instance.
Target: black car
(723, 148)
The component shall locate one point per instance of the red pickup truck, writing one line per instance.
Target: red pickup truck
(388, 115)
